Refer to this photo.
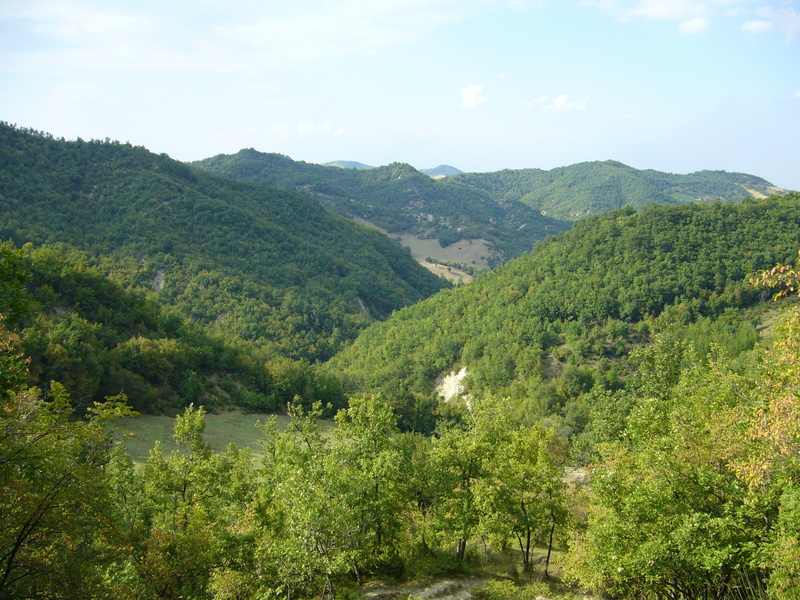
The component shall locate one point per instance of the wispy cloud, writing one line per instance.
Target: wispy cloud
(250, 37)
(668, 9)
(785, 20)
(695, 16)
(560, 103)
(318, 29)
(694, 26)
(758, 26)
(472, 96)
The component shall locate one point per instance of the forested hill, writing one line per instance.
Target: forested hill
(591, 188)
(244, 260)
(400, 199)
(549, 327)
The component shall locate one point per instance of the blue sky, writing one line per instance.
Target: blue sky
(672, 85)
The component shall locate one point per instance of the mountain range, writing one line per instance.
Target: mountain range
(622, 388)
(263, 268)
(508, 210)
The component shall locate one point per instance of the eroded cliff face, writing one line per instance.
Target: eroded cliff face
(451, 386)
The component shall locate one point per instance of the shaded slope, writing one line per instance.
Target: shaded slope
(258, 263)
(399, 199)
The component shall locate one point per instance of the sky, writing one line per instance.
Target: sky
(482, 85)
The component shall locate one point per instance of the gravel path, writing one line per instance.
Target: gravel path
(443, 589)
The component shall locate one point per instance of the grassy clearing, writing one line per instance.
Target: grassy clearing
(450, 273)
(470, 252)
(139, 434)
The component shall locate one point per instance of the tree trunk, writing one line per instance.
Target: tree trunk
(461, 548)
(328, 587)
(525, 549)
(549, 550)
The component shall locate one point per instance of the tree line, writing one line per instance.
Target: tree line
(551, 328)
(693, 494)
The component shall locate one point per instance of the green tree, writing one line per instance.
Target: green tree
(522, 495)
(14, 274)
(58, 529)
(669, 516)
(369, 458)
(184, 515)
(307, 526)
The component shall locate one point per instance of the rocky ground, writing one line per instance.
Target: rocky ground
(443, 589)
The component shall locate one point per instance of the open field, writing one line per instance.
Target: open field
(469, 252)
(139, 434)
(450, 273)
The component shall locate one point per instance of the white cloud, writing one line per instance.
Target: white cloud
(699, 25)
(668, 9)
(245, 36)
(313, 30)
(560, 103)
(797, 95)
(758, 26)
(696, 15)
(786, 20)
(472, 96)
(76, 35)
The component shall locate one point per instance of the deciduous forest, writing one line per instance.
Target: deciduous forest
(627, 425)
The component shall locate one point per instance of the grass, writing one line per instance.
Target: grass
(139, 434)
(470, 252)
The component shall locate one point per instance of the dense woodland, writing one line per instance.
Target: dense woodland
(400, 199)
(643, 347)
(493, 206)
(553, 329)
(592, 188)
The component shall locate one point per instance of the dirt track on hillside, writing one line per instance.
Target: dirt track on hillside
(442, 589)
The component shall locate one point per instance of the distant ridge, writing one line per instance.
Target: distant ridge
(442, 171)
(509, 210)
(347, 164)
(591, 188)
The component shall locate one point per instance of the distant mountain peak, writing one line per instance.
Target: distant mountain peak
(347, 164)
(442, 171)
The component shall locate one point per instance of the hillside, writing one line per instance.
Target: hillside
(253, 263)
(509, 209)
(97, 339)
(549, 327)
(630, 427)
(442, 171)
(591, 188)
(347, 164)
(400, 200)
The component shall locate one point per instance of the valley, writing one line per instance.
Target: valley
(615, 324)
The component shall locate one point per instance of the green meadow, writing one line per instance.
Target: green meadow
(139, 434)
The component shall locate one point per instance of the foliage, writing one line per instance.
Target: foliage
(552, 328)
(591, 188)
(245, 261)
(57, 513)
(183, 516)
(399, 199)
(694, 496)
